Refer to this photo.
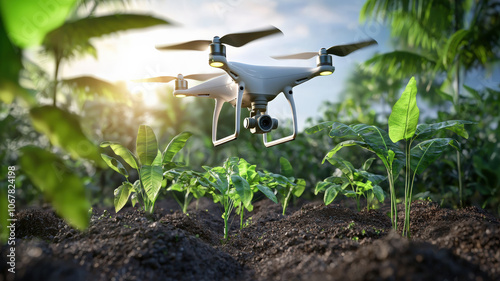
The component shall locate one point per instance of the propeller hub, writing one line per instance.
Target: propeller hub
(324, 58)
(180, 83)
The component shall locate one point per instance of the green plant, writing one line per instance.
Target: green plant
(285, 183)
(233, 186)
(187, 183)
(149, 164)
(362, 183)
(402, 125)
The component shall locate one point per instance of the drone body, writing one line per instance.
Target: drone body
(252, 86)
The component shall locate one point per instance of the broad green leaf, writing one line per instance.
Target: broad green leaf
(344, 166)
(331, 193)
(243, 189)
(342, 131)
(176, 187)
(367, 164)
(404, 116)
(379, 193)
(28, 21)
(321, 187)
(286, 168)
(60, 186)
(425, 131)
(63, 129)
(123, 152)
(426, 152)
(146, 145)
(158, 159)
(134, 199)
(374, 178)
(151, 177)
(115, 164)
(73, 37)
(122, 193)
(175, 145)
(221, 183)
(299, 188)
(319, 127)
(343, 144)
(267, 191)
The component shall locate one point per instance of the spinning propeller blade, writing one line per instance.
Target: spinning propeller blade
(339, 50)
(166, 79)
(233, 39)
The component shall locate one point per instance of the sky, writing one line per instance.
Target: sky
(307, 26)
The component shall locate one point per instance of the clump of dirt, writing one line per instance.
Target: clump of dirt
(311, 242)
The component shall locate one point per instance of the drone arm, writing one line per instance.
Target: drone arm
(219, 102)
(289, 96)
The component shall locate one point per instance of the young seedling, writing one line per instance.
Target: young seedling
(233, 186)
(188, 184)
(362, 183)
(402, 126)
(285, 184)
(149, 163)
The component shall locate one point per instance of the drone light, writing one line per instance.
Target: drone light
(216, 64)
(325, 73)
(180, 96)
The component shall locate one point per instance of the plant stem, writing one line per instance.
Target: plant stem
(241, 215)
(186, 202)
(394, 210)
(460, 187)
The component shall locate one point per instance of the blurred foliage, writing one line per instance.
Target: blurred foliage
(64, 32)
(446, 43)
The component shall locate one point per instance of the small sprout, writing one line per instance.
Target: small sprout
(351, 225)
(355, 238)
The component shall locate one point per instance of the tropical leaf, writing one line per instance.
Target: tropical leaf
(344, 166)
(28, 21)
(73, 37)
(299, 188)
(146, 145)
(379, 193)
(115, 164)
(123, 152)
(426, 152)
(122, 193)
(403, 120)
(88, 87)
(331, 193)
(243, 189)
(401, 64)
(319, 127)
(425, 131)
(175, 145)
(151, 177)
(63, 129)
(59, 185)
(267, 192)
(286, 168)
(451, 49)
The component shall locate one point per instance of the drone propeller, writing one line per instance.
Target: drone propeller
(233, 39)
(339, 50)
(166, 79)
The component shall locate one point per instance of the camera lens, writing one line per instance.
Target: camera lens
(265, 123)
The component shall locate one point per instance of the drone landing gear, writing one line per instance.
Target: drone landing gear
(219, 102)
(289, 96)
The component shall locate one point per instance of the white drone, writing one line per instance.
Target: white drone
(251, 86)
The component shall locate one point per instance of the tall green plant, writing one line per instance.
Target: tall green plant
(148, 162)
(402, 126)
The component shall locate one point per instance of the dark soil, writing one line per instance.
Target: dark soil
(312, 242)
